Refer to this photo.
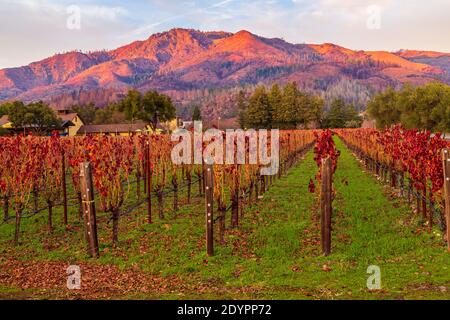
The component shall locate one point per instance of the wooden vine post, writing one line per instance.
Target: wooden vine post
(90, 221)
(209, 202)
(144, 163)
(326, 205)
(235, 199)
(446, 167)
(148, 171)
(64, 186)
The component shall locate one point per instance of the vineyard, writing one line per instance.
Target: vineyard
(406, 159)
(121, 209)
(35, 171)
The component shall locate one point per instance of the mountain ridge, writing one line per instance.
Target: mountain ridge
(187, 59)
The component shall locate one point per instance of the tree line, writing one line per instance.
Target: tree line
(151, 107)
(426, 107)
(290, 108)
(276, 107)
(35, 116)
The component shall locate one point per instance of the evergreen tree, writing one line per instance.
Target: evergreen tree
(275, 100)
(302, 108)
(196, 114)
(351, 116)
(342, 115)
(286, 115)
(335, 117)
(315, 114)
(287, 108)
(259, 115)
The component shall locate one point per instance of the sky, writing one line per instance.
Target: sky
(31, 30)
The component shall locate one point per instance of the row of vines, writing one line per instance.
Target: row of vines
(409, 160)
(38, 174)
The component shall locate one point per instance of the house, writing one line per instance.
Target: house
(71, 123)
(367, 123)
(114, 129)
(187, 125)
(172, 125)
(222, 124)
(5, 123)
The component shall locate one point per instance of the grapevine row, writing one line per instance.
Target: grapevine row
(33, 170)
(398, 155)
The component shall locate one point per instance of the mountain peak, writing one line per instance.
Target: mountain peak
(163, 47)
(331, 48)
(244, 33)
(182, 33)
(244, 42)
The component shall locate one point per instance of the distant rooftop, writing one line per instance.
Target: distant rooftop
(4, 120)
(112, 128)
(67, 116)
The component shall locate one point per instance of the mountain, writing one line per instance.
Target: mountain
(432, 58)
(183, 61)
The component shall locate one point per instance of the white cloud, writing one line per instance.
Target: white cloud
(103, 12)
(38, 28)
(51, 7)
(34, 29)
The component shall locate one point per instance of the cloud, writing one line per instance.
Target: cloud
(108, 13)
(52, 7)
(222, 3)
(37, 28)
(191, 11)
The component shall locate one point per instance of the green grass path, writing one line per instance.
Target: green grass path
(383, 232)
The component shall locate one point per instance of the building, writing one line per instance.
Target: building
(222, 124)
(172, 125)
(5, 123)
(71, 123)
(367, 123)
(115, 129)
(188, 125)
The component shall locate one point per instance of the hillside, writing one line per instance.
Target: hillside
(180, 61)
